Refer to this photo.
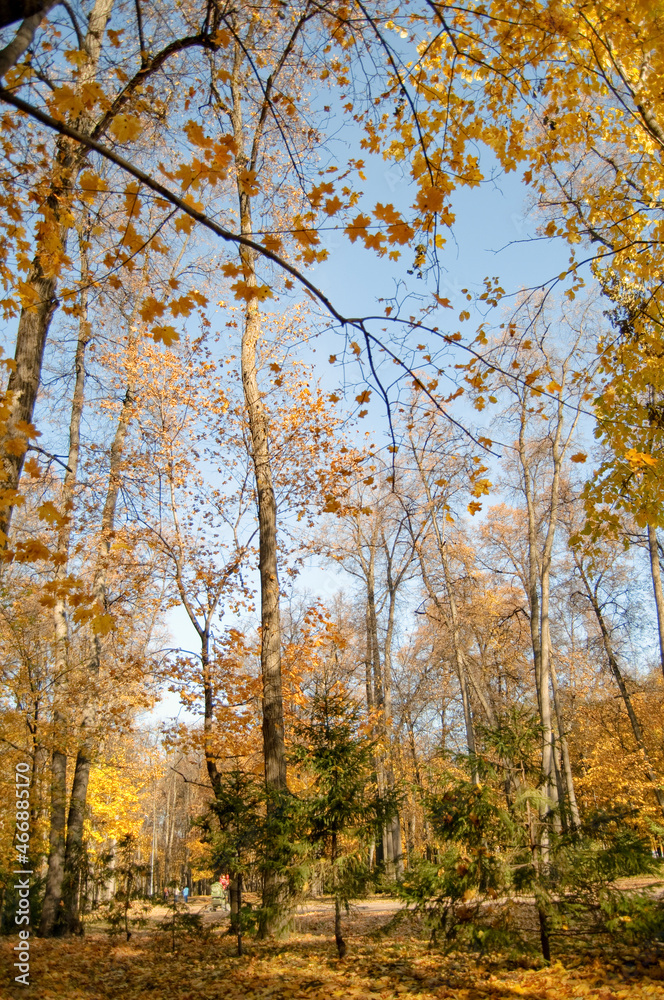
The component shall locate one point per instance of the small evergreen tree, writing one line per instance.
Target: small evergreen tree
(239, 807)
(128, 874)
(343, 810)
(489, 837)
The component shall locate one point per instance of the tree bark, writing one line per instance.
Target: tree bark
(56, 840)
(574, 815)
(273, 712)
(74, 846)
(34, 322)
(655, 569)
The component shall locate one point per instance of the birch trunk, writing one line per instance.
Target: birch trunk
(57, 844)
(74, 845)
(653, 548)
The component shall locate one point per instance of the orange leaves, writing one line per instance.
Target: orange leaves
(197, 136)
(217, 158)
(398, 230)
(125, 128)
(49, 512)
(65, 102)
(244, 291)
(430, 199)
(16, 446)
(91, 184)
(248, 183)
(272, 242)
(319, 191)
(166, 335)
(184, 224)
(357, 229)
(305, 237)
(151, 308)
(332, 205)
(33, 468)
(392, 228)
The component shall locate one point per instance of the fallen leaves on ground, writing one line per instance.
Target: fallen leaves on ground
(306, 968)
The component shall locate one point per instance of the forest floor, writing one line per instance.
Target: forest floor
(393, 964)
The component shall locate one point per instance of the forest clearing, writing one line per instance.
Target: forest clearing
(331, 498)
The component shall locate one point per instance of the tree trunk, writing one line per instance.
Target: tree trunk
(653, 548)
(273, 713)
(56, 840)
(42, 278)
(274, 747)
(460, 664)
(574, 816)
(74, 852)
(51, 911)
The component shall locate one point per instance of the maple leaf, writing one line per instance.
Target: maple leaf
(184, 224)
(33, 468)
(102, 624)
(16, 446)
(580, 456)
(248, 183)
(196, 135)
(31, 551)
(91, 184)
(50, 513)
(125, 128)
(151, 308)
(358, 227)
(242, 290)
(67, 101)
(231, 270)
(363, 397)
(165, 334)
(332, 205)
(273, 242)
(430, 199)
(474, 507)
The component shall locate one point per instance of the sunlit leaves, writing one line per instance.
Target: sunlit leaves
(126, 128)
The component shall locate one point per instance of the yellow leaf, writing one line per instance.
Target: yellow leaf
(247, 182)
(33, 468)
(91, 184)
(50, 513)
(102, 624)
(125, 128)
(67, 101)
(151, 308)
(166, 334)
(430, 199)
